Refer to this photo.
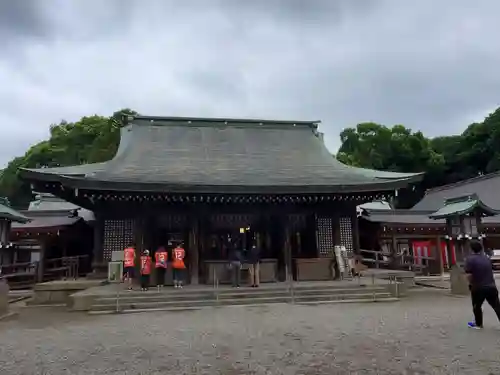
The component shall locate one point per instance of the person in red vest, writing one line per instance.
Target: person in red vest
(146, 264)
(129, 264)
(178, 266)
(161, 257)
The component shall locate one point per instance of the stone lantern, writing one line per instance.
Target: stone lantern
(463, 217)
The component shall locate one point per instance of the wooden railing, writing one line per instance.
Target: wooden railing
(380, 259)
(65, 267)
(20, 275)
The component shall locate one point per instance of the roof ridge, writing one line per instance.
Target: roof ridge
(400, 211)
(127, 119)
(464, 182)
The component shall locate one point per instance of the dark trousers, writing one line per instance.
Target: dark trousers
(178, 274)
(479, 295)
(160, 276)
(144, 281)
(236, 273)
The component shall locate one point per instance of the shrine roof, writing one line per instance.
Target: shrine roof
(8, 213)
(45, 202)
(216, 155)
(400, 217)
(462, 206)
(486, 187)
(46, 221)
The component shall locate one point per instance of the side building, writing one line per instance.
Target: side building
(217, 183)
(8, 216)
(56, 230)
(413, 232)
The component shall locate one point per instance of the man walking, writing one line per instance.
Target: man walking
(482, 285)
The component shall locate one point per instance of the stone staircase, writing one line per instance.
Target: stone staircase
(193, 299)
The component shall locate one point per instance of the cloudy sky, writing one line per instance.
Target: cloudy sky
(431, 65)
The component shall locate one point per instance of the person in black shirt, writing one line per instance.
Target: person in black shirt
(235, 260)
(254, 261)
(482, 285)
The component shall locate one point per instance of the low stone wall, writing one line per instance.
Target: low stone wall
(398, 282)
(399, 288)
(4, 298)
(313, 269)
(81, 301)
(59, 292)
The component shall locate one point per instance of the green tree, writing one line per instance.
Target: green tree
(396, 149)
(92, 139)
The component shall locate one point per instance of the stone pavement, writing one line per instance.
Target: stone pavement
(424, 334)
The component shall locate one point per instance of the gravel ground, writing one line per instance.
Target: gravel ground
(421, 335)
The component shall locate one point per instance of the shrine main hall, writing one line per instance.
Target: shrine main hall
(211, 182)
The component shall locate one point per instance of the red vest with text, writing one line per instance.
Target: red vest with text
(129, 257)
(145, 265)
(178, 261)
(161, 257)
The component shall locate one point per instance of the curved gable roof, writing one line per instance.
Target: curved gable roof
(158, 153)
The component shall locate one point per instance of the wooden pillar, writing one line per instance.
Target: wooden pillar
(4, 232)
(287, 249)
(139, 228)
(41, 262)
(194, 250)
(98, 243)
(439, 255)
(355, 232)
(449, 243)
(461, 243)
(394, 250)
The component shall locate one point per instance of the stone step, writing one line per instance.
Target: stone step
(340, 297)
(264, 287)
(246, 290)
(126, 296)
(354, 300)
(256, 304)
(144, 303)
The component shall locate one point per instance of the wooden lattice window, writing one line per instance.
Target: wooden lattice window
(324, 232)
(346, 239)
(117, 235)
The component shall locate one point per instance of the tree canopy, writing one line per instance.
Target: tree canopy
(445, 159)
(92, 139)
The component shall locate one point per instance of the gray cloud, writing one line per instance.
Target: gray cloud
(21, 19)
(430, 65)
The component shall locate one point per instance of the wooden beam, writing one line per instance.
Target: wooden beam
(194, 250)
(355, 231)
(98, 239)
(439, 255)
(41, 262)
